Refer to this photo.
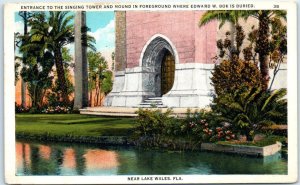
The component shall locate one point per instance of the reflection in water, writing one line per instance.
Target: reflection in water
(45, 151)
(80, 161)
(69, 162)
(101, 161)
(23, 162)
(71, 159)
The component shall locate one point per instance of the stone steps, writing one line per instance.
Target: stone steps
(152, 102)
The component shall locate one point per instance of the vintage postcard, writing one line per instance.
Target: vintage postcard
(150, 93)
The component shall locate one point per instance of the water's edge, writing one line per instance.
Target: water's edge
(168, 145)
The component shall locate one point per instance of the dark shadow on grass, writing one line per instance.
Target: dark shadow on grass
(98, 121)
(113, 131)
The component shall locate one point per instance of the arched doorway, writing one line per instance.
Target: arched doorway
(158, 62)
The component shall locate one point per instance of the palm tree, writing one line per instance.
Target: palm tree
(262, 45)
(61, 34)
(97, 73)
(38, 61)
(223, 16)
(56, 31)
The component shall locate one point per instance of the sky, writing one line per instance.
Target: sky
(102, 28)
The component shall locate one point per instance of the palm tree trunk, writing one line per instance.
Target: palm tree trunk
(91, 97)
(96, 96)
(25, 17)
(263, 48)
(81, 71)
(61, 75)
(100, 94)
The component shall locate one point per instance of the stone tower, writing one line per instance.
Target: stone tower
(163, 54)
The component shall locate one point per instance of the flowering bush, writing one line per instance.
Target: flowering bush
(222, 133)
(57, 110)
(204, 126)
(153, 128)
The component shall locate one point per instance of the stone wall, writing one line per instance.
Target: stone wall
(205, 40)
(243, 149)
(181, 28)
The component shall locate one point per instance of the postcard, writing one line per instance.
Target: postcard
(150, 93)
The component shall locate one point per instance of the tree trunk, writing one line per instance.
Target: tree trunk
(263, 48)
(91, 97)
(81, 72)
(100, 84)
(23, 83)
(61, 75)
(97, 95)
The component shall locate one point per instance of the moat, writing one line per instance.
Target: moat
(34, 158)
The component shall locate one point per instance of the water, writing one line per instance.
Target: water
(80, 159)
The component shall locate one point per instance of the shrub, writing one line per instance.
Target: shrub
(204, 126)
(195, 125)
(229, 76)
(151, 124)
(249, 110)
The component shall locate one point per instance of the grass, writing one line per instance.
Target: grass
(72, 125)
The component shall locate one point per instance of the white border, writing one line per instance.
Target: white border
(9, 113)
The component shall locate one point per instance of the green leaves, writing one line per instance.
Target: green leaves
(230, 76)
(248, 110)
(263, 42)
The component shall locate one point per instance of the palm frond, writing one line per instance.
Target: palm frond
(280, 13)
(275, 95)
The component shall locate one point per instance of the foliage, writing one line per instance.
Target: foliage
(17, 66)
(204, 126)
(154, 128)
(229, 76)
(152, 123)
(223, 16)
(228, 50)
(107, 82)
(248, 110)
(263, 44)
(37, 67)
(277, 46)
(113, 60)
(54, 31)
(55, 94)
(97, 74)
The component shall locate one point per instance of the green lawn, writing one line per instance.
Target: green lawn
(72, 124)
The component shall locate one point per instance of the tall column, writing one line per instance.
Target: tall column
(120, 55)
(81, 72)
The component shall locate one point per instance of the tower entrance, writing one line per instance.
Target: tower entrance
(158, 62)
(167, 73)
